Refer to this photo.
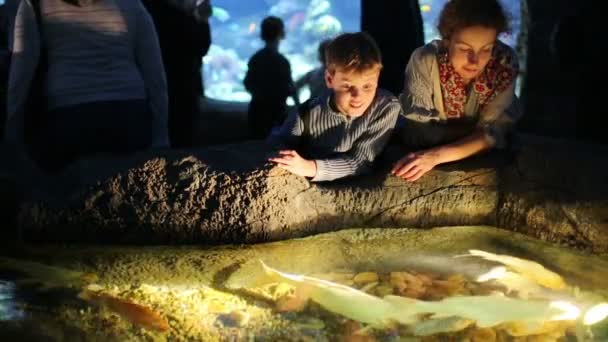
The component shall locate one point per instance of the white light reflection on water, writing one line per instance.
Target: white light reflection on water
(9, 308)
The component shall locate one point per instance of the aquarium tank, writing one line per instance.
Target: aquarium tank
(235, 29)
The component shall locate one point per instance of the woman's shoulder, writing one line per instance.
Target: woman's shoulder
(425, 54)
(428, 50)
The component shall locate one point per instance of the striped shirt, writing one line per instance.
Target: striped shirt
(341, 146)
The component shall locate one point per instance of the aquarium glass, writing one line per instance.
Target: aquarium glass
(235, 29)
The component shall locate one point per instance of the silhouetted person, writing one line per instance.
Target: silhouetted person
(269, 81)
(4, 64)
(184, 39)
(315, 78)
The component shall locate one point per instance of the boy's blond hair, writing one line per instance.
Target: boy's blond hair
(356, 52)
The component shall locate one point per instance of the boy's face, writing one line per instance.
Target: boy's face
(353, 91)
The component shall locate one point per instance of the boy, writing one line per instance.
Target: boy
(340, 134)
(269, 81)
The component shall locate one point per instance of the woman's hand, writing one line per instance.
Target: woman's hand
(291, 161)
(415, 165)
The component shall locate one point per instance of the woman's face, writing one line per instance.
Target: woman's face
(470, 49)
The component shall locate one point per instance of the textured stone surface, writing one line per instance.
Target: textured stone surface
(229, 194)
(558, 191)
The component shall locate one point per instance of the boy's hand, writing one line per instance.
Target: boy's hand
(415, 165)
(291, 161)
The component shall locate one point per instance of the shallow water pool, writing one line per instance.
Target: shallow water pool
(119, 293)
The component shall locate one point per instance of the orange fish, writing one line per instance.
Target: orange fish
(134, 313)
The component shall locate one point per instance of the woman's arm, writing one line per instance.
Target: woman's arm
(496, 120)
(499, 116)
(25, 56)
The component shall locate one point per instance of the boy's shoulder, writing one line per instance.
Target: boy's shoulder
(384, 103)
(384, 95)
(319, 104)
(384, 98)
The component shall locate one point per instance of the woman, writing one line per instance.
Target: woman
(458, 99)
(104, 84)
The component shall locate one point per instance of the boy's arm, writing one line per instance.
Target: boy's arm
(364, 150)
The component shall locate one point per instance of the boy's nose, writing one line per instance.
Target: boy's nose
(354, 92)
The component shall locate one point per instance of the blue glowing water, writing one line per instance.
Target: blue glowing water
(235, 36)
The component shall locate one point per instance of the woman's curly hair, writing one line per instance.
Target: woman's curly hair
(460, 14)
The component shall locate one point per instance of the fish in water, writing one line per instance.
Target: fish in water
(220, 13)
(318, 7)
(527, 268)
(133, 312)
(327, 25)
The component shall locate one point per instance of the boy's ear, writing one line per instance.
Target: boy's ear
(328, 78)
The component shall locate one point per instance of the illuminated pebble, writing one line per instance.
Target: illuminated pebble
(365, 277)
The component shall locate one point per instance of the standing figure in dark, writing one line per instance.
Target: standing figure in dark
(4, 59)
(184, 36)
(269, 81)
(85, 79)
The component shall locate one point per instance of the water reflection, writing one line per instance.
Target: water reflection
(9, 307)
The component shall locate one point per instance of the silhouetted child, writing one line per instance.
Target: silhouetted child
(269, 81)
(341, 134)
(315, 78)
